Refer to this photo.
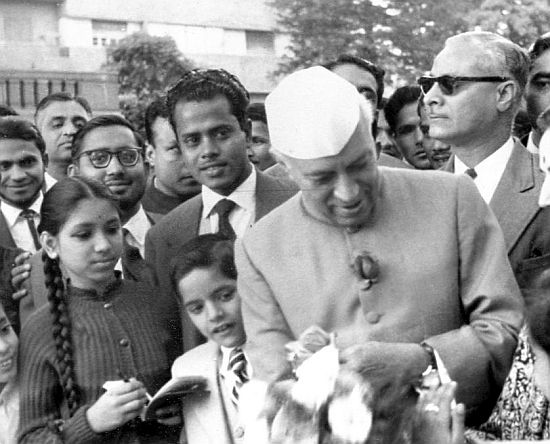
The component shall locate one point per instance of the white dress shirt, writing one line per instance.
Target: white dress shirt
(9, 413)
(489, 171)
(531, 147)
(241, 217)
(137, 227)
(18, 225)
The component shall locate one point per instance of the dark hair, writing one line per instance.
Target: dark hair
(15, 127)
(99, 122)
(377, 72)
(400, 98)
(62, 97)
(205, 84)
(542, 44)
(58, 204)
(203, 251)
(6, 110)
(256, 112)
(157, 108)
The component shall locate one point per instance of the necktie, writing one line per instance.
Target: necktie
(222, 209)
(237, 365)
(471, 172)
(30, 215)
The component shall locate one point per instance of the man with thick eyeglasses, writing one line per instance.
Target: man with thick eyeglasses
(109, 150)
(472, 96)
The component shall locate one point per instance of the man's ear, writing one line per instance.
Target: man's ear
(49, 244)
(72, 170)
(150, 154)
(506, 95)
(248, 130)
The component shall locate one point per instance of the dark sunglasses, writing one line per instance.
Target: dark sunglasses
(448, 84)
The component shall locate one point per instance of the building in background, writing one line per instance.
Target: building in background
(54, 45)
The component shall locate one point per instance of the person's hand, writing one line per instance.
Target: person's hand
(20, 272)
(387, 359)
(117, 406)
(437, 422)
(170, 415)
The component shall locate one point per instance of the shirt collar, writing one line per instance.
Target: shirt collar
(243, 195)
(496, 160)
(531, 147)
(11, 213)
(138, 225)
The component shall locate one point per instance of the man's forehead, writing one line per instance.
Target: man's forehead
(62, 109)
(109, 137)
(463, 57)
(18, 148)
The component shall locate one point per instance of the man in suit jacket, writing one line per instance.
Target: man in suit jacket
(475, 118)
(114, 137)
(352, 254)
(208, 113)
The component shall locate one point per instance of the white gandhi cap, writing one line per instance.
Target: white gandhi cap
(313, 113)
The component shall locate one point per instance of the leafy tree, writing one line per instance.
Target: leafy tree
(522, 21)
(146, 66)
(403, 36)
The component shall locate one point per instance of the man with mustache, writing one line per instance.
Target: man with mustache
(473, 94)
(401, 113)
(208, 114)
(59, 116)
(172, 183)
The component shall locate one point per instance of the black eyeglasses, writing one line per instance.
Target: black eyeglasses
(448, 84)
(127, 157)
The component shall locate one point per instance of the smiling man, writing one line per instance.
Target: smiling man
(208, 114)
(473, 94)
(58, 117)
(23, 160)
(350, 253)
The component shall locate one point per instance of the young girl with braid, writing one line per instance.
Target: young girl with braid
(96, 328)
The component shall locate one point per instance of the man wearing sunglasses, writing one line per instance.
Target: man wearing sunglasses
(473, 94)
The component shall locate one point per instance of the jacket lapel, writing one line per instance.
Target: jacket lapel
(515, 201)
(6, 239)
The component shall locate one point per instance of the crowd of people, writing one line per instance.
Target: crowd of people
(330, 266)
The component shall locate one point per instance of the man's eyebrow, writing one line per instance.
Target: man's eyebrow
(539, 75)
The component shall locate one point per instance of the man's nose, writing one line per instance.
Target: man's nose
(114, 165)
(214, 312)
(17, 173)
(346, 188)
(209, 147)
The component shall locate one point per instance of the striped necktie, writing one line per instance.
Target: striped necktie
(237, 365)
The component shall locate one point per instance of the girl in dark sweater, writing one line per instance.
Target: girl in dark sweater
(96, 328)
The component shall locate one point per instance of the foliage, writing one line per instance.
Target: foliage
(146, 66)
(403, 36)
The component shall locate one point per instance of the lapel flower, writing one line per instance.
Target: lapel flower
(366, 268)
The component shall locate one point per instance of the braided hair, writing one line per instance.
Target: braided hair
(57, 206)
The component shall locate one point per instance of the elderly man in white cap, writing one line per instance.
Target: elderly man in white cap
(402, 266)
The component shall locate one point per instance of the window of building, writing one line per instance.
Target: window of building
(105, 33)
(17, 29)
(260, 42)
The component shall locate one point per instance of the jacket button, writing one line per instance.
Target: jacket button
(239, 432)
(124, 342)
(107, 305)
(372, 317)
